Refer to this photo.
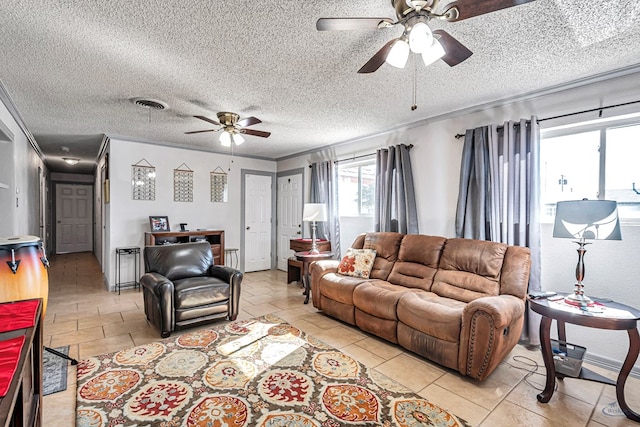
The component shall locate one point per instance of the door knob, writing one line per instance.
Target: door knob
(299, 232)
(248, 228)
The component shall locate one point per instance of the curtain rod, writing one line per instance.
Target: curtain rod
(460, 135)
(362, 156)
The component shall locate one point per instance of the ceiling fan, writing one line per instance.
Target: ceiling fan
(417, 37)
(232, 128)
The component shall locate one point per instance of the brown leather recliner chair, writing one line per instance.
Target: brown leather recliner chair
(182, 288)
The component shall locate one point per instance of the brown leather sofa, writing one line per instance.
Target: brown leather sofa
(457, 302)
(182, 288)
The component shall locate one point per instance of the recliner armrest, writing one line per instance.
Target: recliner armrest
(223, 273)
(158, 284)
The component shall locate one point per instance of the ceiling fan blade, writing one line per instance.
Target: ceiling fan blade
(254, 132)
(249, 121)
(378, 59)
(455, 52)
(207, 119)
(200, 131)
(470, 8)
(329, 24)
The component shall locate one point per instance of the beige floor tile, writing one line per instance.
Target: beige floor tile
(469, 411)
(99, 320)
(562, 408)
(363, 356)
(509, 415)
(83, 314)
(260, 310)
(60, 327)
(133, 314)
(487, 393)
(116, 308)
(339, 336)
(77, 337)
(380, 348)
(59, 409)
(112, 329)
(412, 373)
(105, 345)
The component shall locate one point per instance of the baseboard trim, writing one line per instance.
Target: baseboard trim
(610, 364)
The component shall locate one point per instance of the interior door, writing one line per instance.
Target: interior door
(257, 223)
(74, 218)
(289, 215)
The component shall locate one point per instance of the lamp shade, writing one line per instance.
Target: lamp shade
(314, 212)
(225, 139)
(399, 53)
(587, 219)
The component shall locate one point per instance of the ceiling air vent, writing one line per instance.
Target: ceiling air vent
(149, 103)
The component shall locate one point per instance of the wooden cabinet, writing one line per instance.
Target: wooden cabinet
(22, 405)
(214, 237)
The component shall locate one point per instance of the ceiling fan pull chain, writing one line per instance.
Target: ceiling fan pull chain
(414, 106)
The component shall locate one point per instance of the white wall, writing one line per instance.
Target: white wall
(128, 219)
(22, 219)
(611, 267)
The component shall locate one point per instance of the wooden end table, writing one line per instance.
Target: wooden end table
(614, 316)
(307, 259)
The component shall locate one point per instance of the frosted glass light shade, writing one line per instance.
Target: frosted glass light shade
(237, 138)
(435, 52)
(420, 37)
(398, 54)
(314, 212)
(225, 139)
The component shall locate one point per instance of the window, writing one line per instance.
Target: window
(598, 162)
(357, 183)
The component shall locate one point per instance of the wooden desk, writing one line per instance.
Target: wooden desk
(614, 316)
(306, 258)
(22, 405)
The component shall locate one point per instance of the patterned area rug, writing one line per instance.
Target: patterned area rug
(258, 372)
(54, 371)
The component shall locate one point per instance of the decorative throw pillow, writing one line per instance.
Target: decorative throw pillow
(357, 263)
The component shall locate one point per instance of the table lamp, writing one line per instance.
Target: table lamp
(314, 212)
(582, 220)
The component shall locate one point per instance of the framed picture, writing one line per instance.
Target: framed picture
(159, 223)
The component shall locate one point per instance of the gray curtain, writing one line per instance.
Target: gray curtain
(395, 202)
(499, 198)
(324, 189)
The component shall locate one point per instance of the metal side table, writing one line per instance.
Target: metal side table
(135, 252)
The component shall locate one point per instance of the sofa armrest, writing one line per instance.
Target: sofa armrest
(234, 278)
(491, 327)
(317, 270)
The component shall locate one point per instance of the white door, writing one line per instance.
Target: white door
(74, 218)
(289, 215)
(257, 221)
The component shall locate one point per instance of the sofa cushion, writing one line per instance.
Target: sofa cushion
(357, 263)
(433, 315)
(417, 261)
(469, 269)
(338, 287)
(386, 245)
(379, 298)
(197, 291)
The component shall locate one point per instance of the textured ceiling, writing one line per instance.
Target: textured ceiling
(71, 67)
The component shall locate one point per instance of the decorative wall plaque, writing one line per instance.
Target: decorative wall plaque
(219, 185)
(143, 181)
(183, 184)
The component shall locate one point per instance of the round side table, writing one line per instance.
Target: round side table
(606, 315)
(307, 259)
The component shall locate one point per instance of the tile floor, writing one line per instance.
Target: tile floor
(82, 314)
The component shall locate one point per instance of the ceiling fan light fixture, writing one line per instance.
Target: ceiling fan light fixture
(225, 139)
(420, 37)
(435, 52)
(237, 138)
(71, 160)
(399, 53)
